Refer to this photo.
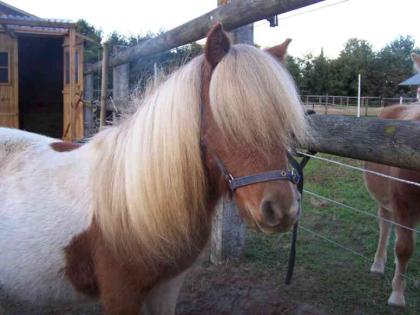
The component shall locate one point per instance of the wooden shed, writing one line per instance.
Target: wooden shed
(41, 74)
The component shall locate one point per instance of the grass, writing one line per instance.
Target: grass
(326, 276)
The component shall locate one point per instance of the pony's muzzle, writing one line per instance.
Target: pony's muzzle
(278, 216)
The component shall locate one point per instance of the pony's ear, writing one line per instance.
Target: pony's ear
(217, 45)
(416, 61)
(279, 51)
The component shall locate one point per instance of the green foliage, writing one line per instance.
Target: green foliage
(316, 75)
(394, 63)
(381, 71)
(293, 65)
(357, 57)
(92, 50)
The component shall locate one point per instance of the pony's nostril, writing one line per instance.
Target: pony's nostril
(271, 216)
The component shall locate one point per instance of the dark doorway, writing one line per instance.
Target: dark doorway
(41, 85)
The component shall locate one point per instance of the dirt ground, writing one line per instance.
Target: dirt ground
(233, 288)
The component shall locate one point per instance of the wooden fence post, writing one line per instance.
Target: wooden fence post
(89, 117)
(104, 84)
(120, 86)
(228, 233)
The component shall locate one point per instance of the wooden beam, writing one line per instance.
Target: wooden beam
(385, 141)
(231, 15)
(87, 38)
(32, 22)
(104, 84)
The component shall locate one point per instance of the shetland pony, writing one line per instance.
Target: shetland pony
(399, 202)
(122, 217)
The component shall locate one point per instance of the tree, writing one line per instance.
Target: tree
(315, 74)
(394, 65)
(320, 75)
(293, 65)
(356, 57)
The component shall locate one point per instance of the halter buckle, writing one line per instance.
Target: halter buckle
(295, 176)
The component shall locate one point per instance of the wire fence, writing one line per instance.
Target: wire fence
(357, 210)
(348, 105)
(352, 101)
(351, 251)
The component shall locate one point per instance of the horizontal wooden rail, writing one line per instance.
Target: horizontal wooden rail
(385, 141)
(231, 15)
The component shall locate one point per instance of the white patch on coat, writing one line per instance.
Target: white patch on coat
(44, 203)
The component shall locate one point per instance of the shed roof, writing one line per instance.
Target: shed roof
(414, 80)
(6, 8)
(13, 19)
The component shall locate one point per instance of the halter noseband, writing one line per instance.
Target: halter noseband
(234, 183)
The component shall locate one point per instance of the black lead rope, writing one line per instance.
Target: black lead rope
(292, 254)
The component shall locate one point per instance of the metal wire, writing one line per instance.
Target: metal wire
(361, 169)
(367, 213)
(312, 10)
(350, 250)
(285, 17)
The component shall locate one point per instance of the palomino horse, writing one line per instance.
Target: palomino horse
(122, 217)
(397, 201)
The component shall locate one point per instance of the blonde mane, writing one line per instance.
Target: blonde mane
(148, 181)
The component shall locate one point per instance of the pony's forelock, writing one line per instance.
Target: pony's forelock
(254, 99)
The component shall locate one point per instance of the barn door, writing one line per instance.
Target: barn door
(9, 108)
(73, 88)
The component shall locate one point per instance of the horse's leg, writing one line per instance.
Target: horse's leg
(162, 299)
(120, 299)
(378, 265)
(404, 248)
(120, 292)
